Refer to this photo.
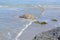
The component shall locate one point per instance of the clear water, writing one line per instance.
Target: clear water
(11, 25)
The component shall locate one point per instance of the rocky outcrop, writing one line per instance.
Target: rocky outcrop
(53, 34)
(27, 16)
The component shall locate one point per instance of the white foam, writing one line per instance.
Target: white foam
(26, 26)
(3, 6)
(9, 35)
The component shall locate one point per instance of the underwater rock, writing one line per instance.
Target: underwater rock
(53, 34)
(27, 16)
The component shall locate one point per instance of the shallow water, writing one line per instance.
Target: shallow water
(11, 25)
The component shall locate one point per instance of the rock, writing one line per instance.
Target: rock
(59, 38)
(27, 16)
(40, 22)
(53, 34)
(55, 20)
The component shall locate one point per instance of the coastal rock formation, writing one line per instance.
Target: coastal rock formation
(27, 16)
(53, 34)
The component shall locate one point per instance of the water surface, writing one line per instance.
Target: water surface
(11, 25)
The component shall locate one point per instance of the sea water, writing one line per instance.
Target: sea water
(11, 25)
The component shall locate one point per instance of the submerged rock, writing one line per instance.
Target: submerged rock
(27, 16)
(54, 20)
(53, 34)
(40, 22)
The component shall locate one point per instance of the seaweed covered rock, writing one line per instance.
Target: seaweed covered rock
(27, 16)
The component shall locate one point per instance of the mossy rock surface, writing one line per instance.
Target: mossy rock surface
(40, 22)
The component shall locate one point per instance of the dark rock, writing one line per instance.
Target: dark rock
(59, 38)
(53, 34)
